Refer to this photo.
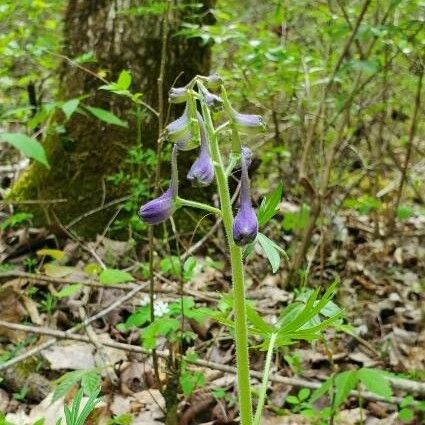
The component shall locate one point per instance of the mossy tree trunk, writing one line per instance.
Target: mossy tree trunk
(90, 150)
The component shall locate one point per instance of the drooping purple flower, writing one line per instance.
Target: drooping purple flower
(161, 208)
(213, 101)
(248, 123)
(245, 225)
(202, 171)
(177, 95)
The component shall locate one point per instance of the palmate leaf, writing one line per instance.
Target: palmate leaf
(310, 310)
(257, 321)
(66, 382)
(90, 383)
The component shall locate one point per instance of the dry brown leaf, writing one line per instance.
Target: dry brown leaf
(71, 355)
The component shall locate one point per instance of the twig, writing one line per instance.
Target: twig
(97, 209)
(104, 358)
(97, 76)
(34, 201)
(318, 115)
(207, 296)
(412, 132)
(402, 384)
(75, 328)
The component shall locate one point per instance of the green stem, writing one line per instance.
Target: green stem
(180, 202)
(241, 332)
(264, 383)
(236, 140)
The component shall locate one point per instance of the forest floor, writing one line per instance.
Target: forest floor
(380, 292)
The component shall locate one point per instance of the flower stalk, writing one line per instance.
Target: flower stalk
(238, 278)
(194, 129)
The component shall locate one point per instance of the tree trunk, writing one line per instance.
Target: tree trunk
(90, 150)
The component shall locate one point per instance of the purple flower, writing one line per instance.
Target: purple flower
(202, 171)
(177, 95)
(245, 225)
(248, 123)
(161, 208)
(213, 101)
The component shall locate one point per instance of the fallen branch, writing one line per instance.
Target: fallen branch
(75, 328)
(402, 384)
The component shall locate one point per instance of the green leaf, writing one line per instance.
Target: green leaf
(345, 382)
(161, 327)
(69, 107)
(375, 381)
(291, 399)
(124, 80)
(138, 318)
(27, 145)
(260, 324)
(171, 265)
(189, 381)
(407, 401)
(114, 276)
(55, 270)
(269, 248)
(68, 290)
(303, 394)
(322, 390)
(90, 383)
(15, 219)
(66, 382)
(106, 116)
(406, 414)
(404, 212)
(189, 268)
(269, 204)
(57, 254)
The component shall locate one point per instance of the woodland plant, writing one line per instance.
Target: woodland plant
(196, 129)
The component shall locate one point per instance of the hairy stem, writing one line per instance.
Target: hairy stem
(241, 333)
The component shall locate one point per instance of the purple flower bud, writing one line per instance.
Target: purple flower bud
(213, 101)
(248, 123)
(179, 132)
(213, 81)
(161, 208)
(179, 128)
(202, 171)
(177, 95)
(245, 225)
(157, 210)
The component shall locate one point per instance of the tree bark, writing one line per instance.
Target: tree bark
(89, 151)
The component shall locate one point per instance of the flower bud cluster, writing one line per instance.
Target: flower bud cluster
(202, 172)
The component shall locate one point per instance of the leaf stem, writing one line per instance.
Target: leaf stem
(180, 202)
(266, 374)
